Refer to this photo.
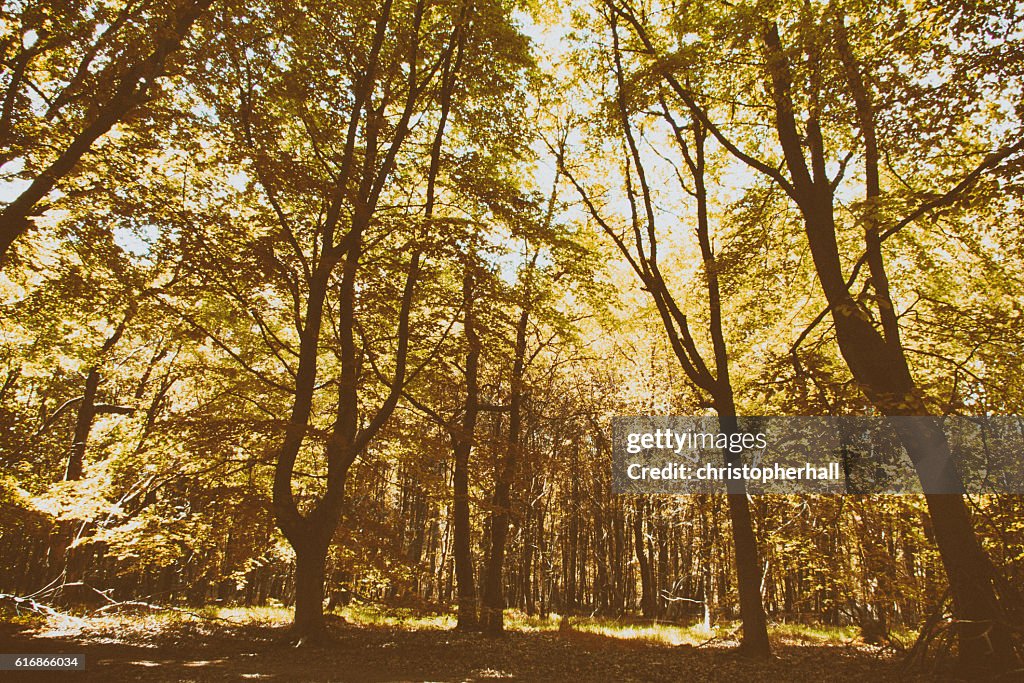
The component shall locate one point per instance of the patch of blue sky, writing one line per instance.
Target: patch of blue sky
(10, 185)
(138, 241)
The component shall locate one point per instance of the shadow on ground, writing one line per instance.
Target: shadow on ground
(375, 653)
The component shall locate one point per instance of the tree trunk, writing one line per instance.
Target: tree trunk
(463, 439)
(310, 533)
(493, 609)
(310, 561)
(462, 549)
(748, 567)
(619, 559)
(646, 589)
(83, 425)
(528, 578)
(492, 612)
(570, 558)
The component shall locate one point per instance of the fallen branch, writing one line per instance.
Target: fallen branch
(32, 605)
(161, 608)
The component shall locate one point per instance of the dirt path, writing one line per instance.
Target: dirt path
(368, 653)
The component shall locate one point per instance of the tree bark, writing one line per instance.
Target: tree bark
(83, 425)
(310, 563)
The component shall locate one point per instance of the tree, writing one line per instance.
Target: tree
(85, 65)
(493, 608)
(825, 86)
(640, 248)
(460, 424)
(359, 141)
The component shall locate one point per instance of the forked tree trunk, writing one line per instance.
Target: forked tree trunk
(310, 533)
(748, 565)
(644, 261)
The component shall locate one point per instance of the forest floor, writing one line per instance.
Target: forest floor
(374, 645)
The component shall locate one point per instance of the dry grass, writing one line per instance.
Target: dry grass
(145, 625)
